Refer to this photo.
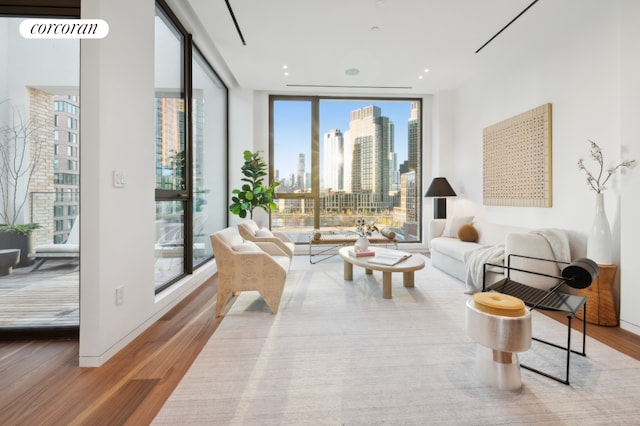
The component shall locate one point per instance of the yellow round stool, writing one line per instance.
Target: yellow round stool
(502, 326)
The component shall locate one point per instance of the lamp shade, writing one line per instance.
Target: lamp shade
(440, 188)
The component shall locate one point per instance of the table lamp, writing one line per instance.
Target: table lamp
(439, 189)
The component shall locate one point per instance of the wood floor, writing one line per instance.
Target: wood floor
(40, 382)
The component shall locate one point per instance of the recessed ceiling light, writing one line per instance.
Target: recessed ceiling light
(419, 77)
(286, 73)
(426, 70)
(284, 67)
(352, 71)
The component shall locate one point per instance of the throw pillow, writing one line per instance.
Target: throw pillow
(388, 233)
(263, 232)
(467, 232)
(246, 246)
(452, 226)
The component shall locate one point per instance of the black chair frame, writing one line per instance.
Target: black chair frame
(550, 300)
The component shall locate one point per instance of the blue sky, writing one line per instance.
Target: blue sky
(292, 126)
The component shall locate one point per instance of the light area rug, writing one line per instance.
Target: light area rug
(338, 353)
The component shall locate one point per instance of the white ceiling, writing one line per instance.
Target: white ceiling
(319, 40)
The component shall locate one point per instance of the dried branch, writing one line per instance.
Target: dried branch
(596, 155)
(21, 148)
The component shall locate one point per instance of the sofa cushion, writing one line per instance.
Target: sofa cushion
(453, 225)
(468, 233)
(386, 232)
(246, 246)
(490, 234)
(534, 245)
(452, 247)
(263, 232)
(230, 236)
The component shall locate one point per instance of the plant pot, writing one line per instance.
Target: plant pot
(14, 240)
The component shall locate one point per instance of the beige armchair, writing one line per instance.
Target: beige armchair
(249, 230)
(248, 266)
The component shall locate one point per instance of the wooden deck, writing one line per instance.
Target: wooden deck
(48, 297)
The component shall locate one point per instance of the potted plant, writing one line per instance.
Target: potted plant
(21, 147)
(364, 230)
(253, 192)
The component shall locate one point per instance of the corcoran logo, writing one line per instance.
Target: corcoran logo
(64, 28)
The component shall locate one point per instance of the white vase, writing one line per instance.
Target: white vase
(599, 244)
(362, 244)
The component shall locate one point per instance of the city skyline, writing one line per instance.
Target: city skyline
(294, 124)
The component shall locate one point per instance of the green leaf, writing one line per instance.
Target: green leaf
(24, 229)
(254, 193)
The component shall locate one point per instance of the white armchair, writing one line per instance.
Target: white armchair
(249, 230)
(248, 266)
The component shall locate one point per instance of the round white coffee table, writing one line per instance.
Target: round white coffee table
(407, 266)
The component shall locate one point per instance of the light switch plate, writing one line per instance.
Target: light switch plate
(119, 179)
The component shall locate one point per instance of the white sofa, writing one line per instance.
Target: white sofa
(447, 253)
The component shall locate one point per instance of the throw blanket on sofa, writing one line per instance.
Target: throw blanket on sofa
(558, 241)
(474, 261)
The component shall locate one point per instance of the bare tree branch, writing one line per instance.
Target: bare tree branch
(21, 148)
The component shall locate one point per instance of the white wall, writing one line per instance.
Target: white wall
(575, 64)
(630, 148)
(118, 231)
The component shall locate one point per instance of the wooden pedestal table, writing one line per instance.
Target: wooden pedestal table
(407, 267)
(601, 307)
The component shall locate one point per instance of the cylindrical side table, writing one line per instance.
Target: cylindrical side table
(601, 306)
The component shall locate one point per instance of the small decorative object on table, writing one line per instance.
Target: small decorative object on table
(362, 253)
(364, 229)
(599, 242)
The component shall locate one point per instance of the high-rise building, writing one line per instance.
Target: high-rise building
(347, 161)
(413, 136)
(372, 136)
(301, 175)
(66, 174)
(332, 161)
(169, 143)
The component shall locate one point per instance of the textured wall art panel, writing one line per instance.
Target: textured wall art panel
(516, 157)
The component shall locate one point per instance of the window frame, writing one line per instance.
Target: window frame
(182, 194)
(186, 194)
(315, 192)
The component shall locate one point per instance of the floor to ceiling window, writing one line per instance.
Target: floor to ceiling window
(172, 197)
(209, 159)
(39, 174)
(191, 152)
(341, 159)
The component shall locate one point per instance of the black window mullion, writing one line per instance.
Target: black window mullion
(43, 8)
(183, 192)
(315, 160)
(188, 147)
